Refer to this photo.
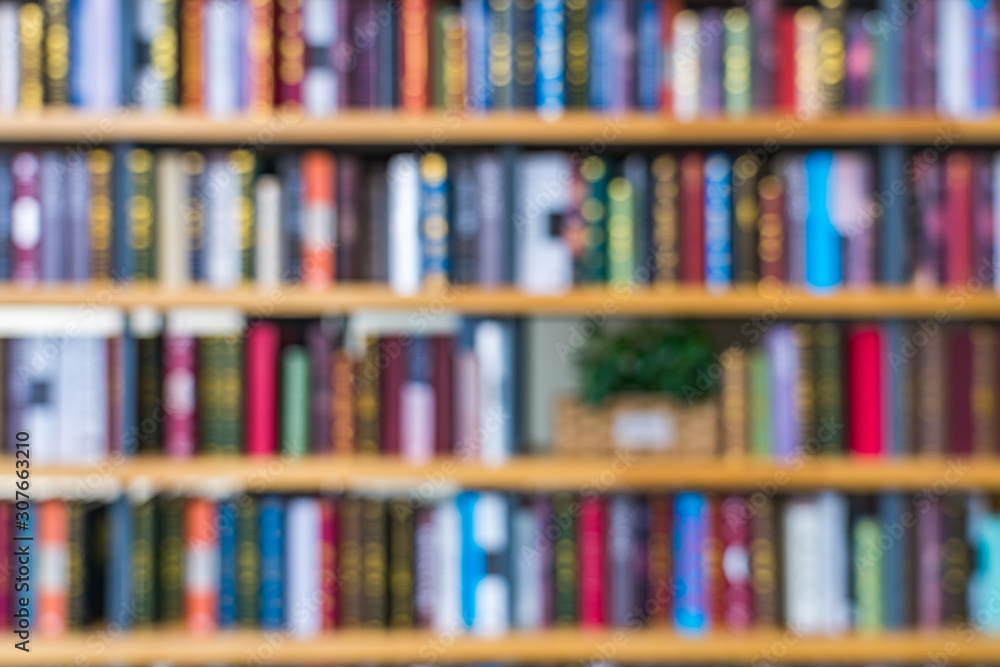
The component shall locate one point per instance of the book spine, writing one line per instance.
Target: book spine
(865, 393)
(686, 65)
(594, 170)
(764, 62)
(852, 215)
(868, 575)
(829, 390)
(764, 564)
(248, 561)
(623, 526)
(321, 33)
(550, 37)
(142, 232)
(401, 565)
(351, 577)
(494, 250)
(692, 222)
(53, 213)
(365, 87)
(452, 60)
(649, 55)
(894, 241)
(737, 588)
(219, 395)
(823, 263)
(243, 166)
(392, 360)
(179, 395)
(290, 49)
(150, 384)
(930, 567)
(434, 219)
(57, 56)
(368, 432)
(319, 346)
(593, 569)
(191, 54)
(746, 215)
(959, 397)
(956, 559)
(734, 405)
(414, 55)
(6, 204)
(465, 239)
(302, 566)
(500, 61)
(417, 408)
(718, 222)
(31, 94)
(564, 525)
(79, 566)
(405, 257)
(290, 173)
(804, 393)
(272, 568)
(622, 214)
(577, 53)
(425, 562)
(26, 223)
(958, 211)
(295, 373)
(201, 577)
(930, 399)
(659, 559)
(454, 593)
(444, 375)
(784, 403)
(329, 562)
(260, 56)
(524, 45)
(710, 67)
(193, 211)
(344, 400)
(666, 218)
(831, 60)
(692, 614)
(9, 57)
(771, 240)
(267, 207)
(263, 341)
(983, 389)
(858, 72)
(737, 61)
(226, 528)
(320, 215)
(348, 218)
(808, 89)
(477, 87)
(53, 568)
(374, 562)
(896, 563)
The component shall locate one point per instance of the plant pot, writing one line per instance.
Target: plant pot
(640, 423)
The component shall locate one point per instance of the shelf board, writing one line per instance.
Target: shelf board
(219, 476)
(554, 646)
(434, 129)
(681, 301)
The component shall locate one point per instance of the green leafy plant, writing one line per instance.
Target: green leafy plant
(671, 358)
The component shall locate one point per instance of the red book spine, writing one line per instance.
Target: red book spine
(737, 592)
(263, 348)
(192, 47)
(260, 49)
(959, 395)
(864, 354)
(26, 219)
(330, 559)
(669, 9)
(958, 213)
(593, 572)
(660, 548)
(180, 381)
(392, 356)
(319, 172)
(290, 54)
(692, 218)
(201, 575)
(784, 84)
(414, 61)
(444, 377)
(53, 582)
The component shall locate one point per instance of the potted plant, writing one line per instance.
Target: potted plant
(650, 387)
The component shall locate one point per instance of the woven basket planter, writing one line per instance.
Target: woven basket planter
(640, 423)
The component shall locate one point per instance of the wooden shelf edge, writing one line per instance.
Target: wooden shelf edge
(682, 301)
(434, 129)
(220, 476)
(558, 646)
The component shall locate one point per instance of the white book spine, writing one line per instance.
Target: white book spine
(417, 416)
(404, 224)
(686, 68)
(836, 561)
(9, 62)
(69, 400)
(303, 594)
(92, 423)
(222, 224)
(103, 24)
(492, 595)
(320, 84)
(545, 264)
(448, 610)
(527, 569)
(804, 600)
(172, 227)
(268, 248)
(954, 52)
(222, 66)
(489, 345)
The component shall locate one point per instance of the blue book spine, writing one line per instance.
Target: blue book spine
(6, 199)
(119, 605)
(124, 259)
(434, 217)
(127, 84)
(508, 387)
(691, 526)
(476, 13)
(986, 576)
(53, 194)
(897, 382)
(272, 545)
(130, 393)
(291, 177)
(896, 566)
(893, 249)
(824, 251)
(890, 51)
(650, 56)
(473, 556)
(228, 512)
(78, 72)
(718, 221)
(601, 42)
(550, 31)
(984, 55)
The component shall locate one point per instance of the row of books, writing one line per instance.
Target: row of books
(487, 563)
(542, 220)
(230, 56)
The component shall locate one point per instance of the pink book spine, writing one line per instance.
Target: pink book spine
(592, 562)
(466, 395)
(737, 594)
(26, 219)
(180, 395)
(263, 347)
(330, 560)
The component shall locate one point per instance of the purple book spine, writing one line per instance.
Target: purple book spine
(364, 93)
(795, 214)
(984, 58)
(982, 216)
(622, 55)
(783, 354)
(490, 181)
(853, 185)
(711, 61)
(930, 217)
(762, 16)
(859, 61)
(78, 217)
(318, 344)
(921, 61)
(930, 607)
(53, 212)
(345, 58)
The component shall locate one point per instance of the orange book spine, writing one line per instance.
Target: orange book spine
(415, 55)
(53, 569)
(319, 172)
(201, 575)
(261, 56)
(192, 47)
(290, 53)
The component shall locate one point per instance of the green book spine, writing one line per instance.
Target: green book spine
(736, 62)
(832, 54)
(144, 563)
(666, 217)
(164, 50)
(829, 429)
(244, 166)
(247, 562)
(56, 53)
(593, 209)
(868, 574)
(76, 614)
(441, 19)
(170, 548)
(221, 394)
(350, 562)
(621, 231)
(295, 401)
(805, 387)
(142, 231)
(367, 377)
(565, 559)
(577, 54)
(956, 557)
(745, 212)
(373, 563)
(401, 564)
(150, 353)
(759, 402)
(764, 570)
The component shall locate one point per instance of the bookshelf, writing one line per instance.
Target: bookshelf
(428, 131)
(213, 475)
(951, 303)
(556, 646)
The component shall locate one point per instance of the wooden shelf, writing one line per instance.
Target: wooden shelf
(765, 304)
(556, 646)
(429, 131)
(221, 476)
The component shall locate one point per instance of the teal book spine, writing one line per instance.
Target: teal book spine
(868, 575)
(759, 402)
(295, 401)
